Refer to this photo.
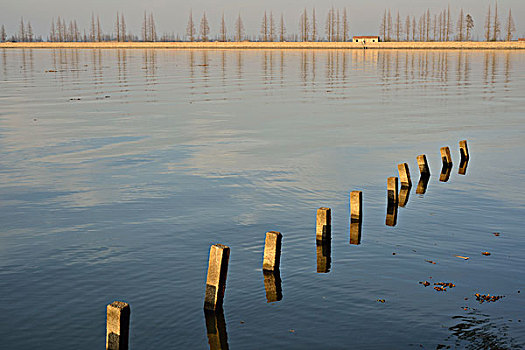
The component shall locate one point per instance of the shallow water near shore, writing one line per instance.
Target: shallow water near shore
(119, 169)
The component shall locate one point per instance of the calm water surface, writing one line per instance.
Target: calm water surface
(119, 169)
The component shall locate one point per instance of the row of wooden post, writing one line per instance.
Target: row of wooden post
(118, 312)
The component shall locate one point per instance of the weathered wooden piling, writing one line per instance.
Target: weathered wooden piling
(391, 214)
(404, 174)
(216, 280)
(392, 189)
(445, 155)
(355, 231)
(117, 326)
(356, 205)
(324, 223)
(423, 164)
(272, 286)
(272, 251)
(463, 149)
(216, 330)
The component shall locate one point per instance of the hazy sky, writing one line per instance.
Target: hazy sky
(172, 15)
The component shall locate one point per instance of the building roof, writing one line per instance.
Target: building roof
(366, 36)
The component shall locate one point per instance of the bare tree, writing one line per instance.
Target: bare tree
(123, 34)
(22, 31)
(117, 27)
(346, 28)
(314, 26)
(338, 26)
(99, 30)
(469, 23)
(271, 29)
(397, 27)
(329, 25)
(496, 28)
(145, 27)
(389, 27)
(264, 28)
(414, 29)
(488, 26)
(52, 31)
(427, 26)
(282, 29)
(382, 27)
(511, 27)
(407, 28)
(222, 30)
(190, 28)
(205, 28)
(29, 32)
(449, 28)
(152, 28)
(461, 25)
(3, 35)
(304, 26)
(239, 29)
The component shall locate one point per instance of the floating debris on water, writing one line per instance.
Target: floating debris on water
(426, 283)
(496, 234)
(488, 298)
(381, 300)
(485, 253)
(430, 261)
(462, 257)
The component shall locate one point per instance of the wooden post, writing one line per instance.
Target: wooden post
(216, 281)
(423, 164)
(356, 205)
(445, 155)
(463, 149)
(392, 192)
(324, 223)
(404, 174)
(117, 326)
(272, 251)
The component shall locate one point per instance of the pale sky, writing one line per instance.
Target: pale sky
(172, 15)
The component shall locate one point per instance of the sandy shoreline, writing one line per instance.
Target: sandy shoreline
(450, 45)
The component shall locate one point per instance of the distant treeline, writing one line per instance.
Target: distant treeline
(429, 27)
(440, 26)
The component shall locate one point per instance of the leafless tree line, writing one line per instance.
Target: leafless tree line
(428, 26)
(439, 26)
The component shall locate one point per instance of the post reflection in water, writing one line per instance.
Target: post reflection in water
(272, 285)
(324, 254)
(391, 213)
(423, 183)
(355, 231)
(216, 330)
(463, 167)
(404, 193)
(445, 172)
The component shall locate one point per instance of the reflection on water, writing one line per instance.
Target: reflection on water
(324, 254)
(120, 195)
(445, 172)
(404, 193)
(216, 330)
(272, 285)
(463, 167)
(423, 183)
(391, 213)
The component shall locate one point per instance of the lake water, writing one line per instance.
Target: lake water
(119, 169)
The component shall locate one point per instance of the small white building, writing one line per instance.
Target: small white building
(365, 39)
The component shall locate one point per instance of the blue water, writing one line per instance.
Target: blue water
(119, 169)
